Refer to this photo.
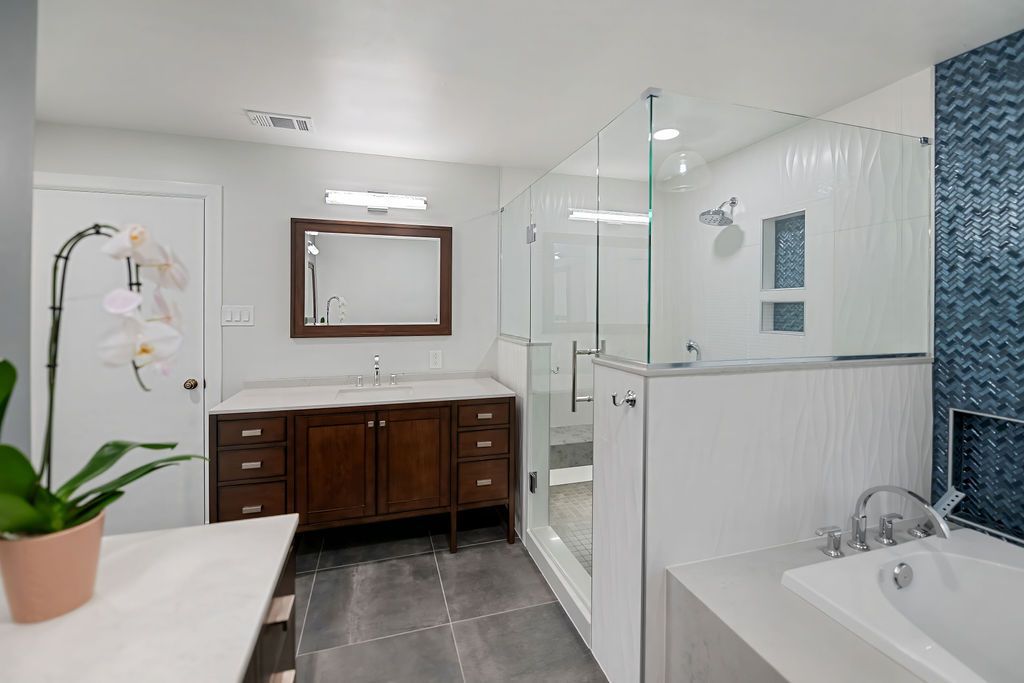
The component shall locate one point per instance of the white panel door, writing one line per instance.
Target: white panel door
(96, 403)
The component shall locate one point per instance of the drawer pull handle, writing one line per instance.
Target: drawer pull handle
(484, 416)
(483, 482)
(251, 509)
(252, 432)
(253, 465)
(483, 444)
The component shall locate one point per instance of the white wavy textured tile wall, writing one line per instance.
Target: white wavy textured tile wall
(742, 461)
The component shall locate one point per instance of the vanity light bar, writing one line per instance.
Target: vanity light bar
(608, 216)
(375, 200)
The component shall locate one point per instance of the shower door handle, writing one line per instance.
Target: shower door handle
(576, 353)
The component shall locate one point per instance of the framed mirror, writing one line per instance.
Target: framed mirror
(353, 279)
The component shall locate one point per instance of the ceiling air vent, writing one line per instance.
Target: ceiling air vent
(282, 121)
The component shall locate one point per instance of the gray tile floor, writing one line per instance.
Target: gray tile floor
(388, 603)
(571, 515)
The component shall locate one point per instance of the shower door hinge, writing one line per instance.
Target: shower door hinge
(533, 482)
(531, 233)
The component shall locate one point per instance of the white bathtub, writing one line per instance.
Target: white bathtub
(960, 620)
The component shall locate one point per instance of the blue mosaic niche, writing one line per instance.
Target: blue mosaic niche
(992, 484)
(788, 316)
(789, 253)
(979, 277)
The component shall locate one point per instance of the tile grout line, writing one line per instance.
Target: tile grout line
(444, 597)
(312, 585)
(371, 640)
(393, 557)
(506, 611)
(425, 628)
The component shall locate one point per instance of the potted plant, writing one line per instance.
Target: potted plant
(50, 535)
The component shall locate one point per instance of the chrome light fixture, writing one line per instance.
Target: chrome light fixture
(375, 201)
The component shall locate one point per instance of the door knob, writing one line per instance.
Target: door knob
(190, 384)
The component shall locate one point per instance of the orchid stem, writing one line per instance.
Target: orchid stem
(57, 286)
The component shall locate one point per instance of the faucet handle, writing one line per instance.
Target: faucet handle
(834, 544)
(886, 529)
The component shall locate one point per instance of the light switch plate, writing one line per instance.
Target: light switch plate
(436, 360)
(237, 316)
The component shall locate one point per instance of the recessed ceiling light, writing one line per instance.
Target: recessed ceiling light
(666, 134)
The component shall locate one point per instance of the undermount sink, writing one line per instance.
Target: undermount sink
(372, 393)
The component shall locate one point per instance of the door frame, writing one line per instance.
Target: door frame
(213, 217)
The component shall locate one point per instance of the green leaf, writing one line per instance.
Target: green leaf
(8, 376)
(91, 508)
(108, 454)
(17, 476)
(17, 516)
(137, 473)
(53, 510)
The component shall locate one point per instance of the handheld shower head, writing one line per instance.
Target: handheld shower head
(718, 217)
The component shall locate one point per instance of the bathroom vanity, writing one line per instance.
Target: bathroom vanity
(343, 455)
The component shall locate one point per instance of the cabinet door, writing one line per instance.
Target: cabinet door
(337, 467)
(415, 459)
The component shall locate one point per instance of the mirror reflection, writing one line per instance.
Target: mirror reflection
(362, 279)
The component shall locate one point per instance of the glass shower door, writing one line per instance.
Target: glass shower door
(563, 336)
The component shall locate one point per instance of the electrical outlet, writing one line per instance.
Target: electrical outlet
(237, 316)
(435, 360)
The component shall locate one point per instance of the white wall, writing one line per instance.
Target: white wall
(750, 460)
(17, 111)
(264, 187)
(866, 196)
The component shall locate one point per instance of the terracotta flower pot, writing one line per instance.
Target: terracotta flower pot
(47, 576)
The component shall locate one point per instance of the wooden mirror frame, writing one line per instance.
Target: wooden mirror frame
(298, 276)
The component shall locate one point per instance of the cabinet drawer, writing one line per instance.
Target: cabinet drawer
(483, 480)
(251, 500)
(483, 442)
(245, 432)
(483, 414)
(250, 463)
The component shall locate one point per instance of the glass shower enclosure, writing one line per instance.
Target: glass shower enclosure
(690, 233)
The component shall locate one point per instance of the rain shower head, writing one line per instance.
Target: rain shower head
(718, 217)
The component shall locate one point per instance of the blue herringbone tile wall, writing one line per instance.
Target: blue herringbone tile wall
(979, 271)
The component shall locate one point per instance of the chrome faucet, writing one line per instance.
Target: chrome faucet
(333, 298)
(376, 370)
(693, 347)
(859, 520)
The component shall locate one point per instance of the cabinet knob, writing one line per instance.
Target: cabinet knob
(191, 383)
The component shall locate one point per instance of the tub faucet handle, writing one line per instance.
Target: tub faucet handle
(834, 542)
(885, 528)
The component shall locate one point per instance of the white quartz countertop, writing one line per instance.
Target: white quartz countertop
(340, 396)
(799, 641)
(173, 605)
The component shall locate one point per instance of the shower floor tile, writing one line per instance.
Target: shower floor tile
(571, 515)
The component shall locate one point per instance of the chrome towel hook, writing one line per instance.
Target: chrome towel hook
(630, 399)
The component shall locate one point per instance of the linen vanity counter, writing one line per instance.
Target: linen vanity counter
(341, 455)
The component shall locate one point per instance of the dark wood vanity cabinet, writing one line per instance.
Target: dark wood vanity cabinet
(344, 466)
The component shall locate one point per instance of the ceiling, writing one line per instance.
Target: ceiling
(519, 83)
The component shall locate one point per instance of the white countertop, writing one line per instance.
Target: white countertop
(173, 605)
(798, 640)
(339, 396)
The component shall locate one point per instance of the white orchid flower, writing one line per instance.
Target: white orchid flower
(134, 242)
(167, 311)
(143, 342)
(166, 270)
(122, 302)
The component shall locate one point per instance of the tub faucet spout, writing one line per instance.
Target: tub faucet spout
(859, 540)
